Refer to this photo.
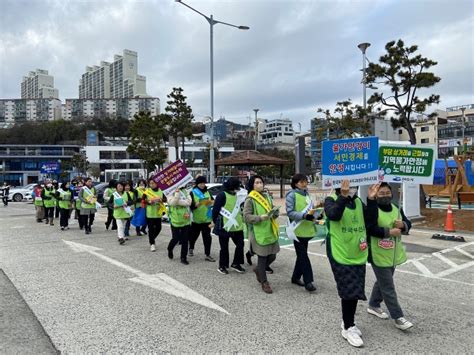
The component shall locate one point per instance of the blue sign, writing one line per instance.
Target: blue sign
(354, 159)
(52, 167)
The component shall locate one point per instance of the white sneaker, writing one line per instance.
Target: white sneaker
(357, 330)
(403, 324)
(378, 312)
(152, 247)
(352, 337)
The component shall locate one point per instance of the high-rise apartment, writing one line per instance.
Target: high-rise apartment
(119, 79)
(38, 85)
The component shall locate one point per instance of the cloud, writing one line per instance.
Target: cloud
(296, 57)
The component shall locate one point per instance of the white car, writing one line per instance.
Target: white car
(21, 193)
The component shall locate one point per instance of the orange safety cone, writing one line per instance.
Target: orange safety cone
(449, 224)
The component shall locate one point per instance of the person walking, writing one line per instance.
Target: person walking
(38, 202)
(131, 204)
(260, 217)
(56, 207)
(121, 200)
(386, 251)
(228, 224)
(64, 197)
(154, 199)
(88, 198)
(180, 221)
(110, 210)
(347, 251)
(140, 189)
(77, 203)
(49, 201)
(301, 214)
(201, 206)
(6, 192)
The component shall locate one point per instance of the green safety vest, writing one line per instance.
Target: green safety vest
(78, 203)
(230, 201)
(306, 229)
(390, 251)
(178, 214)
(52, 202)
(132, 196)
(156, 210)
(65, 203)
(200, 214)
(119, 213)
(109, 191)
(87, 206)
(139, 198)
(348, 236)
(263, 231)
(38, 200)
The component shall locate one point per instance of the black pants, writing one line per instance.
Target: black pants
(140, 229)
(64, 217)
(348, 312)
(238, 239)
(111, 219)
(203, 228)
(263, 263)
(87, 220)
(302, 264)
(154, 228)
(49, 213)
(56, 212)
(5, 200)
(77, 216)
(180, 235)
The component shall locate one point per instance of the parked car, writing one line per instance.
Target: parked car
(20, 193)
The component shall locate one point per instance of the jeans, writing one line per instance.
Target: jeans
(384, 290)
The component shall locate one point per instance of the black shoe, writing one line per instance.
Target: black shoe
(222, 270)
(310, 287)
(184, 261)
(62, 228)
(269, 270)
(248, 256)
(297, 282)
(139, 234)
(106, 226)
(87, 231)
(170, 254)
(121, 241)
(114, 228)
(238, 268)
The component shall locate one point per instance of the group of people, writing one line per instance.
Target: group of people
(356, 232)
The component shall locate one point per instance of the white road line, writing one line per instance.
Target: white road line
(445, 259)
(434, 277)
(460, 250)
(422, 268)
(454, 269)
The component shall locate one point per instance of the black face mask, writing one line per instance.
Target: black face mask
(384, 201)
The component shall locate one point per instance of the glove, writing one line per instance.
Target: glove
(309, 217)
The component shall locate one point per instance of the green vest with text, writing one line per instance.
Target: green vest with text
(119, 212)
(65, 201)
(306, 229)
(85, 195)
(390, 251)
(153, 211)
(348, 236)
(230, 201)
(48, 203)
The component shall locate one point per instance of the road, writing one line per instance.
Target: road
(82, 293)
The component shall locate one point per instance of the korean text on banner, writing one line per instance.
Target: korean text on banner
(407, 163)
(353, 159)
(172, 177)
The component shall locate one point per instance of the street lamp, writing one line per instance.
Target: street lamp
(256, 127)
(212, 22)
(463, 127)
(363, 47)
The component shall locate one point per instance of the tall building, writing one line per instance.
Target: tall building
(38, 85)
(119, 79)
(126, 108)
(279, 131)
(14, 111)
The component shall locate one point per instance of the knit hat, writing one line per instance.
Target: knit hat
(200, 179)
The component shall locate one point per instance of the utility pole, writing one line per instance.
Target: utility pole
(256, 127)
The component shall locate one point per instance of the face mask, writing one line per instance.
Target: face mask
(49, 185)
(352, 191)
(384, 201)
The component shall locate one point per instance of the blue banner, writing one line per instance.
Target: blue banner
(52, 167)
(354, 159)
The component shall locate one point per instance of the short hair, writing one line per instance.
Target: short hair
(385, 184)
(296, 179)
(251, 182)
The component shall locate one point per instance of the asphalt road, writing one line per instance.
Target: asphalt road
(87, 293)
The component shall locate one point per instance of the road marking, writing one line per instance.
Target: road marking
(460, 250)
(159, 281)
(17, 227)
(422, 268)
(455, 269)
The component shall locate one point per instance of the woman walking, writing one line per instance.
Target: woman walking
(139, 209)
(347, 250)
(301, 213)
(120, 200)
(386, 251)
(154, 200)
(110, 211)
(64, 196)
(262, 229)
(201, 206)
(39, 205)
(49, 201)
(180, 221)
(88, 198)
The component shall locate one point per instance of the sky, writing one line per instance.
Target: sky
(297, 56)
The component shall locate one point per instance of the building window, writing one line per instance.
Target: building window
(425, 140)
(425, 129)
(120, 155)
(400, 131)
(105, 154)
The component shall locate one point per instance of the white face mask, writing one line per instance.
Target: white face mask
(49, 185)
(352, 191)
